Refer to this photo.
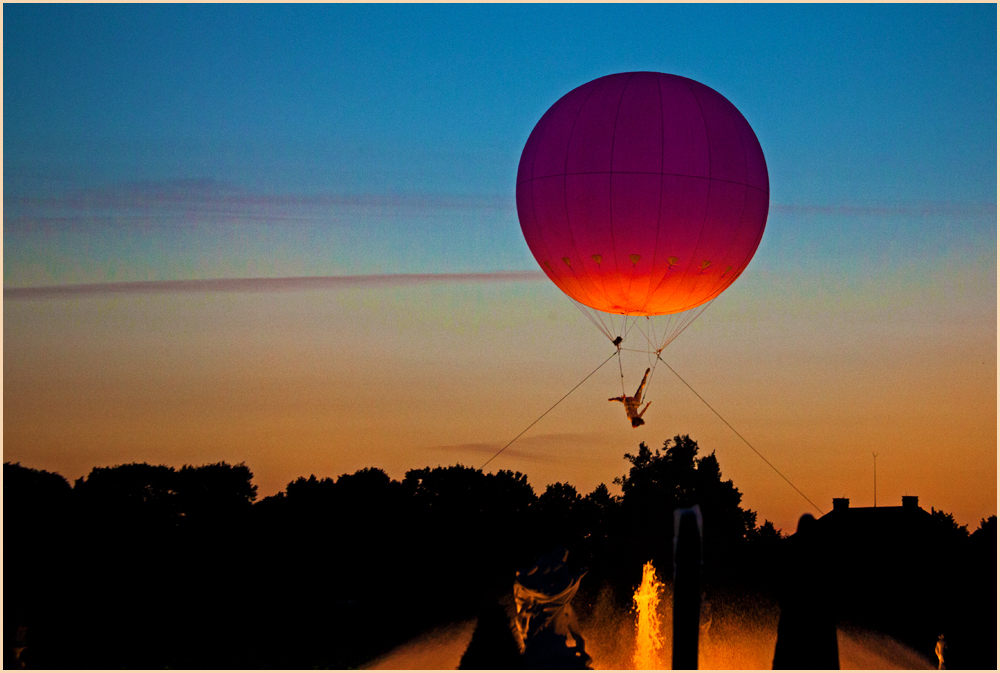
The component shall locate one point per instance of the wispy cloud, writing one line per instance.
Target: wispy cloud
(928, 208)
(258, 285)
(219, 198)
(486, 451)
(192, 197)
(535, 449)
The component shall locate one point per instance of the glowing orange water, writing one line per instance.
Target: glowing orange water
(648, 636)
(742, 637)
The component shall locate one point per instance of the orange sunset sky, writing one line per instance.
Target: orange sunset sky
(329, 381)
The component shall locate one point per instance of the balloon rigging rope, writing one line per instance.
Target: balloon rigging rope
(652, 329)
(620, 372)
(674, 325)
(595, 321)
(635, 319)
(741, 436)
(681, 324)
(651, 342)
(649, 383)
(610, 327)
(549, 409)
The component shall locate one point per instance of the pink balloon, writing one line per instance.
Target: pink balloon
(642, 193)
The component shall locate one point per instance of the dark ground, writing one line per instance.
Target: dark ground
(144, 566)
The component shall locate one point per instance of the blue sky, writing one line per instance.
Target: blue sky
(864, 106)
(174, 142)
(416, 98)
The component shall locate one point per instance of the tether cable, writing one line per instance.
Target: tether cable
(620, 371)
(549, 409)
(740, 436)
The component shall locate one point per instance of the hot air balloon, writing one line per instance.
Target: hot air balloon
(642, 194)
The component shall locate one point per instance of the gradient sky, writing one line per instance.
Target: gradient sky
(202, 142)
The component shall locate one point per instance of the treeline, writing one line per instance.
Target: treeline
(142, 566)
(147, 566)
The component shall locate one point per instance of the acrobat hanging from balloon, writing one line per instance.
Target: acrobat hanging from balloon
(632, 403)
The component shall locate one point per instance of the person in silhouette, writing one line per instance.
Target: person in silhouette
(545, 621)
(704, 619)
(632, 403)
(807, 625)
(939, 651)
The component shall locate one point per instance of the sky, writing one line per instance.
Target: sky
(287, 235)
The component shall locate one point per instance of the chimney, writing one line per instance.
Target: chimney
(910, 501)
(841, 504)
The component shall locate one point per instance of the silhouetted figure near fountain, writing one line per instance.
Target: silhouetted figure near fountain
(18, 650)
(939, 649)
(545, 621)
(807, 627)
(494, 645)
(705, 620)
(687, 588)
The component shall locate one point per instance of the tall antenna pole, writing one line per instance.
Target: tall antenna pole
(875, 478)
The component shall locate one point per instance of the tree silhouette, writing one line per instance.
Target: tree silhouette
(37, 528)
(461, 512)
(946, 527)
(561, 515)
(216, 490)
(660, 482)
(136, 496)
(984, 539)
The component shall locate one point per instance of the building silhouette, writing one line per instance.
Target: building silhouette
(900, 570)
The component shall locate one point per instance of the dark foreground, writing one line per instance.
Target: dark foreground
(143, 566)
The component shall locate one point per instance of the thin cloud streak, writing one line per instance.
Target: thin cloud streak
(930, 208)
(211, 197)
(218, 197)
(486, 450)
(532, 449)
(260, 285)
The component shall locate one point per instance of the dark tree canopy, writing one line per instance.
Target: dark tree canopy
(28, 483)
(163, 494)
(945, 524)
(663, 480)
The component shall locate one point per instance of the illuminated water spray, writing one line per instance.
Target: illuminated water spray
(648, 634)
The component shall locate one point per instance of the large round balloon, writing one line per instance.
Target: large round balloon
(642, 193)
